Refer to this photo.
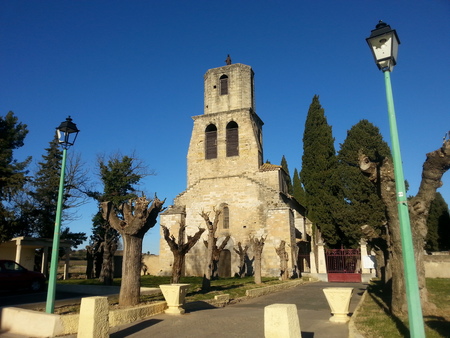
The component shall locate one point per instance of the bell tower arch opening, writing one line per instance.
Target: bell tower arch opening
(211, 142)
(232, 139)
(224, 85)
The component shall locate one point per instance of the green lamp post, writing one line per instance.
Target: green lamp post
(67, 134)
(383, 42)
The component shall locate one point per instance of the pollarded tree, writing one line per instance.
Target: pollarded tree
(132, 220)
(211, 246)
(242, 253)
(284, 258)
(180, 249)
(257, 245)
(318, 173)
(434, 167)
(12, 173)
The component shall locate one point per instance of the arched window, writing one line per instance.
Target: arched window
(226, 218)
(232, 139)
(211, 142)
(224, 85)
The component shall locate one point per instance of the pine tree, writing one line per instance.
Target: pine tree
(119, 176)
(361, 203)
(284, 165)
(44, 194)
(12, 173)
(318, 173)
(438, 222)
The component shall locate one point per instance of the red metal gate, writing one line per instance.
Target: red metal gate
(343, 265)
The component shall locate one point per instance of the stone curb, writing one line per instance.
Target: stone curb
(352, 330)
(272, 288)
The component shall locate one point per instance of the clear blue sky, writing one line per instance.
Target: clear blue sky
(130, 73)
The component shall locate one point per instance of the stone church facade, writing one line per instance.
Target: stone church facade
(225, 171)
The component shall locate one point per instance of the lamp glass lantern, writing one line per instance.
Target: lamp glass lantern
(67, 133)
(383, 42)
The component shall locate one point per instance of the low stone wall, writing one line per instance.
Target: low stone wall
(272, 288)
(437, 266)
(41, 324)
(130, 315)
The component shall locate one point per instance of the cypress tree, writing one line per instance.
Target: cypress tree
(297, 188)
(318, 172)
(361, 203)
(438, 223)
(284, 165)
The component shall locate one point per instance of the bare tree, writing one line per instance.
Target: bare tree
(257, 247)
(180, 249)
(136, 218)
(211, 226)
(216, 254)
(242, 253)
(434, 167)
(284, 258)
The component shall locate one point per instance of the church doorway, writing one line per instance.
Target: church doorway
(224, 269)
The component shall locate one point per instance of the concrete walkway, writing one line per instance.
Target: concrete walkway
(246, 319)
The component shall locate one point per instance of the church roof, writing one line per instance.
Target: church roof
(269, 167)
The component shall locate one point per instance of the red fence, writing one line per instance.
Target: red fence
(343, 265)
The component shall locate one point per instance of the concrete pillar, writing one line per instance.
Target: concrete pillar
(44, 266)
(363, 244)
(281, 321)
(94, 318)
(66, 264)
(312, 260)
(18, 252)
(322, 268)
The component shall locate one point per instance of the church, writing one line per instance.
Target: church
(225, 171)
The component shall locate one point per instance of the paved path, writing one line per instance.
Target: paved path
(246, 319)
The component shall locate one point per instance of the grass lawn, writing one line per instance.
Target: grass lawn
(235, 287)
(373, 320)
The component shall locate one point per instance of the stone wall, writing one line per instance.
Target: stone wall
(437, 266)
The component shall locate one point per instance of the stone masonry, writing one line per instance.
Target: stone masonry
(225, 171)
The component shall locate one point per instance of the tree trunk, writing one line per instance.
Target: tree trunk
(131, 271)
(206, 282)
(210, 244)
(281, 252)
(257, 247)
(242, 252)
(109, 247)
(436, 164)
(177, 267)
(89, 262)
(137, 218)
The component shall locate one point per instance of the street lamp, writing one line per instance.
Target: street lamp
(67, 134)
(383, 42)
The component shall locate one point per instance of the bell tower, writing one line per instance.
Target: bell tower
(228, 88)
(227, 139)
